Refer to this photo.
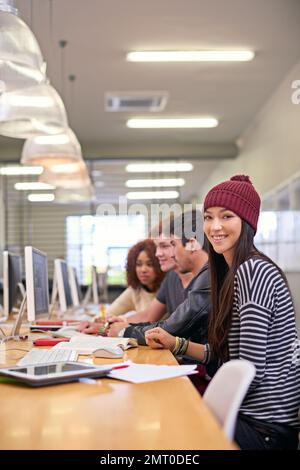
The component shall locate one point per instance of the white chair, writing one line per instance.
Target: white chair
(226, 392)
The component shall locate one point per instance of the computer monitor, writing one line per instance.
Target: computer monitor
(92, 293)
(36, 283)
(13, 289)
(95, 287)
(75, 287)
(63, 285)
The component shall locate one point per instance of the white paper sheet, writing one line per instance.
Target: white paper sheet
(140, 373)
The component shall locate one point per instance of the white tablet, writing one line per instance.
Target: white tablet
(48, 374)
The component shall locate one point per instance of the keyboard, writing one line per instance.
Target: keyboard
(45, 356)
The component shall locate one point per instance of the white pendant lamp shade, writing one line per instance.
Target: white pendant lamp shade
(52, 151)
(80, 195)
(72, 176)
(21, 61)
(32, 111)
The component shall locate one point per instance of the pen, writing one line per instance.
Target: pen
(104, 327)
(102, 310)
(120, 367)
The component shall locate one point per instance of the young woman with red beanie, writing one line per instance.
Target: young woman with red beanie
(252, 318)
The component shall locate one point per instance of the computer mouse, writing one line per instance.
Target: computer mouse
(111, 353)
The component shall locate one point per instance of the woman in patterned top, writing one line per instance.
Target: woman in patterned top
(252, 319)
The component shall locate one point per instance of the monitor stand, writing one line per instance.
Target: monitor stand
(87, 297)
(2, 316)
(53, 307)
(15, 332)
(22, 290)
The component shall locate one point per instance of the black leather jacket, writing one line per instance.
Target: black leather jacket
(189, 320)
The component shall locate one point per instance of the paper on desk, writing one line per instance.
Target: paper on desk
(140, 373)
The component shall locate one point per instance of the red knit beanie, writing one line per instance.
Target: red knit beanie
(238, 195)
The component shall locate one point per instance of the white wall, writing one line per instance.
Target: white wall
(294, 283)
(40, 225)
(270, 153)
(270, 148)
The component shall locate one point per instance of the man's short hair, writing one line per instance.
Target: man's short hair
(184, 226)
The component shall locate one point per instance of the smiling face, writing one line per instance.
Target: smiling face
(165, 253)
(223, 229)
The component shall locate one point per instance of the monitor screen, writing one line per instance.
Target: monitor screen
(12, 278)
(78, 288)
(63, 285)
(95, 288)
(36, 283)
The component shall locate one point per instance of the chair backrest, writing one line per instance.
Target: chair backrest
(226, 392)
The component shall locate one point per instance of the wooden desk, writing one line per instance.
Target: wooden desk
(108, 415)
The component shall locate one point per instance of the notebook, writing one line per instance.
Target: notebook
(88, 344)
(67, 332)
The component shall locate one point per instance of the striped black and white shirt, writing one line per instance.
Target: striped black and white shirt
(263, 331)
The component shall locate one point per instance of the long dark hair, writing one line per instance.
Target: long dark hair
(222, 288)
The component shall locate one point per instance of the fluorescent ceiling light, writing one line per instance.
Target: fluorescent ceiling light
(98, 184)
(96, 173)
(172, 123)
(159, 167)
(52, 139)
(46, 197)
(33, 186)
(21, 170)
(153, 195)
(31, 101)
(155, 183)
(190, 56)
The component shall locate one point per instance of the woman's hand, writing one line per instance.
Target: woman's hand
(157, 338)
(90, 328)
(119, 318)
(83, 325)
(115, 328)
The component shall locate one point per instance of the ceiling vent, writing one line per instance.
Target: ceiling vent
(144, 101)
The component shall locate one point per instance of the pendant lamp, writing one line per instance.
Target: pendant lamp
(32, 111)
(66, 196)
(52, 151)
(72, 176)
(21, 61)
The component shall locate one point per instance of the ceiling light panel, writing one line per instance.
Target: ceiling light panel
(21, 170)
(191, 56)
(46, 197)
(172, 123)
(33, 186)
(155, 183)
(159, 167)
(140, 195)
